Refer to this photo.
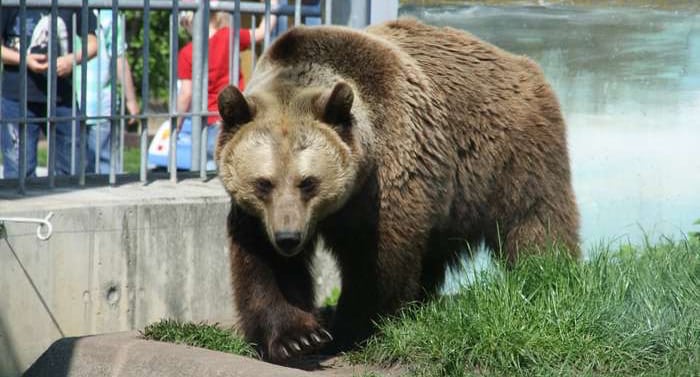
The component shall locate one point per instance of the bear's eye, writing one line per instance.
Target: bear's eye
(263, 187)
(308, 187)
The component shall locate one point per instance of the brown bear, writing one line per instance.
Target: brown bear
(397, 145)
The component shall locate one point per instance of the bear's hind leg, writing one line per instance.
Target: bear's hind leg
(358, 303)
(374, 285)
(541, 229)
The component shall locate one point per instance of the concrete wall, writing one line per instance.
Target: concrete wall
(118, 259)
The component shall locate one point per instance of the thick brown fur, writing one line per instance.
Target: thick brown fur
(449, 141)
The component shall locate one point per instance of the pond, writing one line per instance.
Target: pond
(628, 80)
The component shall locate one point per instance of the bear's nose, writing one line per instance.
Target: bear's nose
(287, 241)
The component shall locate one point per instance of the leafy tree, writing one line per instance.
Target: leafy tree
(159, 56)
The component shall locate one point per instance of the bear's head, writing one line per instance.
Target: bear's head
(290, 157)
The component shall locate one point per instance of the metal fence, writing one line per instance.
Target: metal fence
(117, 117)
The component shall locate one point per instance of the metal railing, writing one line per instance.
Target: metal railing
(117, 117)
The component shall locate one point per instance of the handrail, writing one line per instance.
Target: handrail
(246, 7)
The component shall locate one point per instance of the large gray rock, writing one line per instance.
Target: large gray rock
(127, 354)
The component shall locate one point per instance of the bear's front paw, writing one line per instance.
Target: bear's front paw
(296, 339)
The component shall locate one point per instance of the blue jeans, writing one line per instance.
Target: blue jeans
(185, 137)
(98, 134)
(9, 138)
(212, 135)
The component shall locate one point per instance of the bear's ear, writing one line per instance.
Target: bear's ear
(234, 109)
(333, 106)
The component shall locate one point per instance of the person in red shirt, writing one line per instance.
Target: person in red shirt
(218, 76)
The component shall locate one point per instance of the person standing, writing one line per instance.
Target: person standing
(218, 75)
(99, 91)
(38, 26)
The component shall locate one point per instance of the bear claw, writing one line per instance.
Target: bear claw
(284, 349)
(284, 352)
(294, 345)
(327, 335)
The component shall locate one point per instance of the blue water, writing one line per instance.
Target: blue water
(629, 84)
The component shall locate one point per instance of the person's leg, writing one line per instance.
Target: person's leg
(212, 135)
(99, 134)
(9, 136)
(64, 143)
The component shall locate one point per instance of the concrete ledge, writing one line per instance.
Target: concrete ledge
(127, 354)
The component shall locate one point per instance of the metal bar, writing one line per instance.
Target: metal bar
(297, 13)
(231, 39)
(143, 174)
(203, 151)
(52, 92)
(329, 6)
(198, 42)
(2, 66)
(202, 140)
(227, 6)
(114, 125)
(84, 15)
(73, 101)
(122, 121)
(97, 126)
(235, 68)
(253, 42)
(22, 172)
(266, 41)
(172, 155)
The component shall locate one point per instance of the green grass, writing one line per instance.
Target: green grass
(42, 156)
(629, 312)
(202, 335)
(626, 313)
(333, 297)
(132, 160)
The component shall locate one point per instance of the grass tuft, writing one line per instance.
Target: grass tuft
(201, 335)
(629, 312)
(333, 297)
